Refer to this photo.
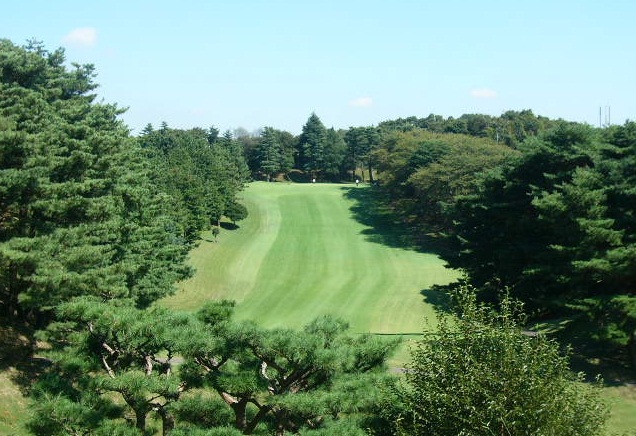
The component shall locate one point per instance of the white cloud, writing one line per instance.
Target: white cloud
(361, 102)
(483, 93)
(81, 37)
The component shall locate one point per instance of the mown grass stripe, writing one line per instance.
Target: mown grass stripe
(301, 253)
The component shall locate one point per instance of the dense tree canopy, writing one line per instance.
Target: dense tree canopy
(361, 143)
(551, 219)
(78, 214)
(511, 128)
(311, 145)
(423, 172)
(202, 174)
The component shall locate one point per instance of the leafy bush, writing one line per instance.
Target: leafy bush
(480, 375)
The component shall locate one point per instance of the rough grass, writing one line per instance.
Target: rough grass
(622, 403)
(13, 406)
(302, 253)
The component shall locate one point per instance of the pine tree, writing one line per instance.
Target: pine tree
(269, 153)
(311, 145)
(78, 214)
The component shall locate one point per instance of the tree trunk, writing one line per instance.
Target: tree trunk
(167, 421)
(140, 420)
(262, 411)
(240, 415)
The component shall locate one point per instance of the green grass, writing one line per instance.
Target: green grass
(13, 406)
(622, 403)
(301, 254)
(15, 373)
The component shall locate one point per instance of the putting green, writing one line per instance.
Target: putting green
(301, 253)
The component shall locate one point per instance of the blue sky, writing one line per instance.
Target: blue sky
(251, 63)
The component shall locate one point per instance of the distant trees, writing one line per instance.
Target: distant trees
(362, 142)
(511, 128)
(272, 156)
(311, 145)
(425, 172)
(335, 155)
(201, 172)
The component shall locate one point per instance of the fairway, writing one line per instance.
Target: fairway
(301, 254)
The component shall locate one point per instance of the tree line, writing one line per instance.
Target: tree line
(95, 226)
(347, 154)
(550, 218)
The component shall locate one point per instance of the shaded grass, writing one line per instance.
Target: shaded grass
(599, 358)
(13, 405)
(17, 371)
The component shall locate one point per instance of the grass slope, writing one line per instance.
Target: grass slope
(301, 253)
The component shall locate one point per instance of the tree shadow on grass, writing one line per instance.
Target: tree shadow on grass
(16, 356)
(370, 208)
(439, 296)
(229, 226)
(591, 354)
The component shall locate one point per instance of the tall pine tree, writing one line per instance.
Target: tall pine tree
(312, 144)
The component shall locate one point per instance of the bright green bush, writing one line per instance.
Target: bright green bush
(480, 375)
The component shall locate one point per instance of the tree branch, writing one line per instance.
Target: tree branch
(110, 371)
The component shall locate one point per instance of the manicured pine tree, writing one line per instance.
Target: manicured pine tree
(104, 355)
(316, 378)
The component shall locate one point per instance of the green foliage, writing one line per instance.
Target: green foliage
(236, 211)
(511, 128)
(78, 214)
(62, 416)
(274, 153)
(480, 375)
(293, 379)
(335, 155)
(106, 356)
(112, 362)
(270, 153)
(512, 232)
(424, 173)
(201, 173)
(203, 412)
(361, 144)
(311, 145)
(556, 225)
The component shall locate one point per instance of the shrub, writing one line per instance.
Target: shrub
(480, 375)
